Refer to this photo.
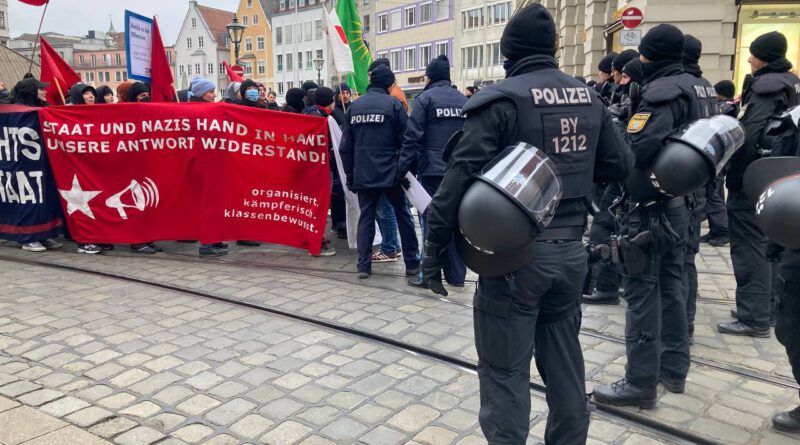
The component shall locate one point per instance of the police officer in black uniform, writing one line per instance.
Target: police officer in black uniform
(436, 116)
(371, 142)
(773, 89)
(605, 85)
(692, 49)
(534, 310)
(656, 330)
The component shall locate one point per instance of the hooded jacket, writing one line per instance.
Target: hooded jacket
(242, 88)
(101, 94)
(26, 92)
(76, 93)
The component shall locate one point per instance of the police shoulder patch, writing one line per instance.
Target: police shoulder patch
(637, 122)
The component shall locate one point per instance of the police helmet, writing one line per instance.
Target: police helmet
(778, 211)
(504, 210)
(762, 172)
(690, 158)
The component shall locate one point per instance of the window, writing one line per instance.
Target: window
(197, 68)
(383, 55)
(289, 85)
(244, 20)
(472, 56)
(410, 55)
(279, 63)
(248, 44)
(189, 70)
(118, 76)
(283, 5)
(383, 23)
(2, 20)
(298, 32)
(443, 48)
(221, 68)
(394, 59)
(396, 20)
(279, 35)
(288, 62)
(472, 19)
(425, 13)
(200, 42)
(248, 68)
(365, 23)
(169, 57)
(255, 19)
(189, 42)
(499, 13)
(493, 51)
(307, 28)
(319, 54)
(89, 77)
(318, 29)
(106, 59)
(210, 68)
(299, 61)
(280, 88)
(80, 59)
(442, 9)
(262, 67)
(124, 76)
(194, 23)
(309, 60)
(424, 56)
(411, 17)
(94, 60)
(249, 3)
(260, 43)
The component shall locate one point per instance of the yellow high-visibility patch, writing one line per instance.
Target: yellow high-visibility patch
(637, 122)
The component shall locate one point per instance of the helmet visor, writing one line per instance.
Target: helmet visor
(717, 137)
(528, 177)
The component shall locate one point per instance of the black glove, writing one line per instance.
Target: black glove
(433, 260)
(348, 182)
(400, 178)
(774, 252)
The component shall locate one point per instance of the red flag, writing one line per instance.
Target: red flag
(35, 2)
(58, 72)
(162, 84)
(232, 76)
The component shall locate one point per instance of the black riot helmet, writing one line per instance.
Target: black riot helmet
(781, 135)
(505, 208)
(690, 158)
(776, 182)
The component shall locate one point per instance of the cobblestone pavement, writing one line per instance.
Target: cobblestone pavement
(725, 406)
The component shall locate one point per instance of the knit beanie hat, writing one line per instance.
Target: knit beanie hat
(342, 87)
(663, 43)
(381, 77)
(769, 47)
(438, 69)
(378, 62)
(201, 87)
(323, 96)
(725, 88)
(692, 48)
(309, 85)
(294, 98)
(530, 31)
(606, 63)
(135, 90)
(633, 69)
(623, 58)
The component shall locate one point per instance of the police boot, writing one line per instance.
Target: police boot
(625, 393)
(602, 297)
(738, 328)
(788, 421)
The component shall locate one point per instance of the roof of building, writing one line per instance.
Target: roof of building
(216, 20)
(53, 38)
(13, 66)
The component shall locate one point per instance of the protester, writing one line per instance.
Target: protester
(272, 103)
(138, 92)
(232, 95)
(470, 91)
(122, 91)
(31, 92)
(105, 95)
(294, 101)
(82, 94)
(344, 96)
(249, 94)
(373, 136)
(4, 94)
(262, 95)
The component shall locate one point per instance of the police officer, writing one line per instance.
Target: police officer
(773, 89)
(534, 310)
(605, 79)
(692, 49)
(656, 331)
(371, 142)
(436, 116)
(606, 289)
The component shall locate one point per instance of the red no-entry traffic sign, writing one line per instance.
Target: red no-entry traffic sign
(632, 17)
(238, 69)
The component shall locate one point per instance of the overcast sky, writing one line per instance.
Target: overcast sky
(76, 17)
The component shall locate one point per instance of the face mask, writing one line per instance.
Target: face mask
(507, 64)
(251, 95)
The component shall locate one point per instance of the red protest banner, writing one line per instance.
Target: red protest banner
(130, 173)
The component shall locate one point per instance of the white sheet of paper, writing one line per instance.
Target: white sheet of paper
(417, 195)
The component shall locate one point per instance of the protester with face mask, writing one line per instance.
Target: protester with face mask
(250, 94)
(294, 101)
(138, 92)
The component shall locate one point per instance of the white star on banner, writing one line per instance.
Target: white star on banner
(78, 199)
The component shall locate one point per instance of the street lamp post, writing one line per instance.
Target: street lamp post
(318, 65)
(235, 31)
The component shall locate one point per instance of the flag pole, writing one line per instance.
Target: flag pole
(36, 42)
(60, 93)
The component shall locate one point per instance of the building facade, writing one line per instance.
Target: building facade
(64, 45)
(411, 34)
(479, 26)
(298, 40)
(255, 50)
(202, 46)
(5, 33)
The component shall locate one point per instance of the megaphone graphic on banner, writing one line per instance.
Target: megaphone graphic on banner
(136, 196)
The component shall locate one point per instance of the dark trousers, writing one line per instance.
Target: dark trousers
(656, 335)
(603, 226)
(750, 266)
(368, 202)
(338, 206)
(689, 284)
(715, 207)
(533, 312)
(787, 329)
(457, 270)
